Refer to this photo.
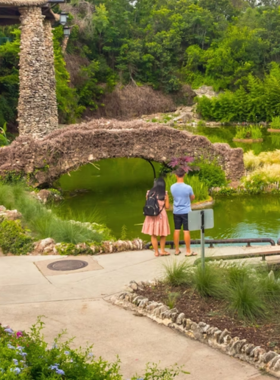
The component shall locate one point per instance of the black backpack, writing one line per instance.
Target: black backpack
(151, 207)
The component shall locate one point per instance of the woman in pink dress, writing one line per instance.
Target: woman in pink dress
(158, 225)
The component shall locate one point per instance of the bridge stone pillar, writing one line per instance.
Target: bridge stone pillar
(50, 75)
(37, 113)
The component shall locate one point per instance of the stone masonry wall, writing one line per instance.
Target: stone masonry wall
(67, 149)
(50, 76)
(36, 113)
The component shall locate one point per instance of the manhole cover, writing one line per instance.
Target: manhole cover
(65, 265)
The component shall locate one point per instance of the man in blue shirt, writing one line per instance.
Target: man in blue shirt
(182, 195)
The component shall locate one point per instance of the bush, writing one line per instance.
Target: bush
(14, 239)
(258, 101)
(210, 173)
(3, 137)
(71, 249)
(26, 356)
(275, 124)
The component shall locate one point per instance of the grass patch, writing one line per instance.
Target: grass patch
(207, 282)
(251, 132)
(177, 272)
(253, 161)
(247, 293)
(171, 299)
(42, 221)
(246, 301)
(200, 189)
(270, 288)
(264, 168)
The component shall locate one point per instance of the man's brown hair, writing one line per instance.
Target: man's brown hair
(180, 172)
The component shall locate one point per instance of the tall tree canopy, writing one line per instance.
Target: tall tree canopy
(162, 43)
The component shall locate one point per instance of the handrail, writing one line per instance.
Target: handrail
(211, 242)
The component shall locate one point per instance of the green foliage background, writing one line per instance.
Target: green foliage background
(232, 45)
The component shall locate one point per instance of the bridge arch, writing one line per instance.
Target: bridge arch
(67, 149)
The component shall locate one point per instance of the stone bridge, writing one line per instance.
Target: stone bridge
(45, 160)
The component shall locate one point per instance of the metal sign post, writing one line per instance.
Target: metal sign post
(202, 240)
(201, 220)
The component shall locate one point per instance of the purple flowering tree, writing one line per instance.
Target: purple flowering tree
(182, 162)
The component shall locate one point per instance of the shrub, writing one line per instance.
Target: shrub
(177, 273)
(14, 239)
(3, 137)
(201, 123)
(256, 132)
(26, 356)
(259, 101)
(275, 124)
(210, 173)
(71, 249)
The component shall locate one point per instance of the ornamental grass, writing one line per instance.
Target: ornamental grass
(42, 221)
(200, 189)
(245, 291)
(253, 161)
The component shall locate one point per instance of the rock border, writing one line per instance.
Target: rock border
(268, 361)
(248, 141)
(272, 130)
(203, 204)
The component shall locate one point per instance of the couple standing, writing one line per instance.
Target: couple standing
(159, 226)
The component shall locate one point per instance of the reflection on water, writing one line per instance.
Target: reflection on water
(117, 194)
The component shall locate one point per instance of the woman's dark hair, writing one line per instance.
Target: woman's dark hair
(159, 188)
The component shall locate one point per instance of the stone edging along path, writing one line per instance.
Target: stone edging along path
(268, 361)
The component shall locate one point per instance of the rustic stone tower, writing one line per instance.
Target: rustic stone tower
(37, 106)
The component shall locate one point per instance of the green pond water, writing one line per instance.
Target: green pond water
(116, 196)
(271, 141)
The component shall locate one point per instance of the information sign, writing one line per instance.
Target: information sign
(201, 220)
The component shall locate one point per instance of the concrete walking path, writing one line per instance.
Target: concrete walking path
(76, 302)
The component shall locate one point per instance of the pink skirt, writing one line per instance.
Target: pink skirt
(156, 225)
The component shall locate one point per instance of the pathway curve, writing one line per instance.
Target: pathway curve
(76, 302)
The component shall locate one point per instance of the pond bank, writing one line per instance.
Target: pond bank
(116, 194)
